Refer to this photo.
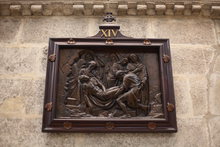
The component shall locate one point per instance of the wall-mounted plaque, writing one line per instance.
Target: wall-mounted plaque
(109, 83)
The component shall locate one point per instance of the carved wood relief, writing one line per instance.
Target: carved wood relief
(109, 83)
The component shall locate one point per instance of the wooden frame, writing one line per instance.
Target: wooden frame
(67, 124)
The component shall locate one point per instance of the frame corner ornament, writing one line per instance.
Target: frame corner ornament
(110, 125)
(52, 57)
(146, 42)
(67, 125)
(49, 106)
(170, 107)
(109, 42)
(166, 58)
(152, 125)
(71, 41)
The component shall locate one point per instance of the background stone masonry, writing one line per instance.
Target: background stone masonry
(196, 66)
(204, 8)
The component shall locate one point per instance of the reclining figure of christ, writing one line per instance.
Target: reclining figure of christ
(128, 94)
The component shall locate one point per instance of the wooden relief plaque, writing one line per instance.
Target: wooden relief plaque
(109, 83)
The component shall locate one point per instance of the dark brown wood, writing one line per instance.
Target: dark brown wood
(109, 83)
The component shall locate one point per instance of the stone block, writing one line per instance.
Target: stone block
(4, 9)
(151, 9)
(214, 92)
(78, 10)
(179, 9)
(9, 28)
(58, 8)
(196, 9)
(182, 97)
(132, 8)
(122, 9)
(217, 65)
(141, 9)
(67, 9)
(15, 9)
(206, 10)
(19, 60)
(88, 8)
(36, 9)
(217, 27)
(169, 9)
(193, 130)
(48, 10)
(51, 27)
(24, 95)
(132, 5)
(19, 132)
(132, 26)
(42, 60)
(160, 9)
(10, 89)
(98, 9)
(199, 94)
(215, 11)
(187, 9)
(12, 107)
(188, 32)
(26, 10)
(111, 7)
(209, 56)
(214, 127)
(132, 12)
(191, 60)
(34, 101)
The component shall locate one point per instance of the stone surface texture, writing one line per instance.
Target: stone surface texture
(205, 8)
(195, 50)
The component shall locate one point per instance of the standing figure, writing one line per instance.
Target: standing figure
(131, 94)
(136, 67)
(83, 63)
(87, 56)
(112, 78)
(109, 74)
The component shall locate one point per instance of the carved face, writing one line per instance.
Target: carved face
(83, 78)
(133, 58)
(88, 57)
(114, 58)
(92, 65)
(124, 61)
(120, 74)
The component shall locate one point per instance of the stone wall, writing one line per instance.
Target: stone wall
(205, 8)
(196, 65)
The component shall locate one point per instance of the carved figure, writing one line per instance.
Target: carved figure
(140, 70)
(156, 106)
(112, 78)
(79, 66)
(117, 86)
(95, 94)
(131, 88)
